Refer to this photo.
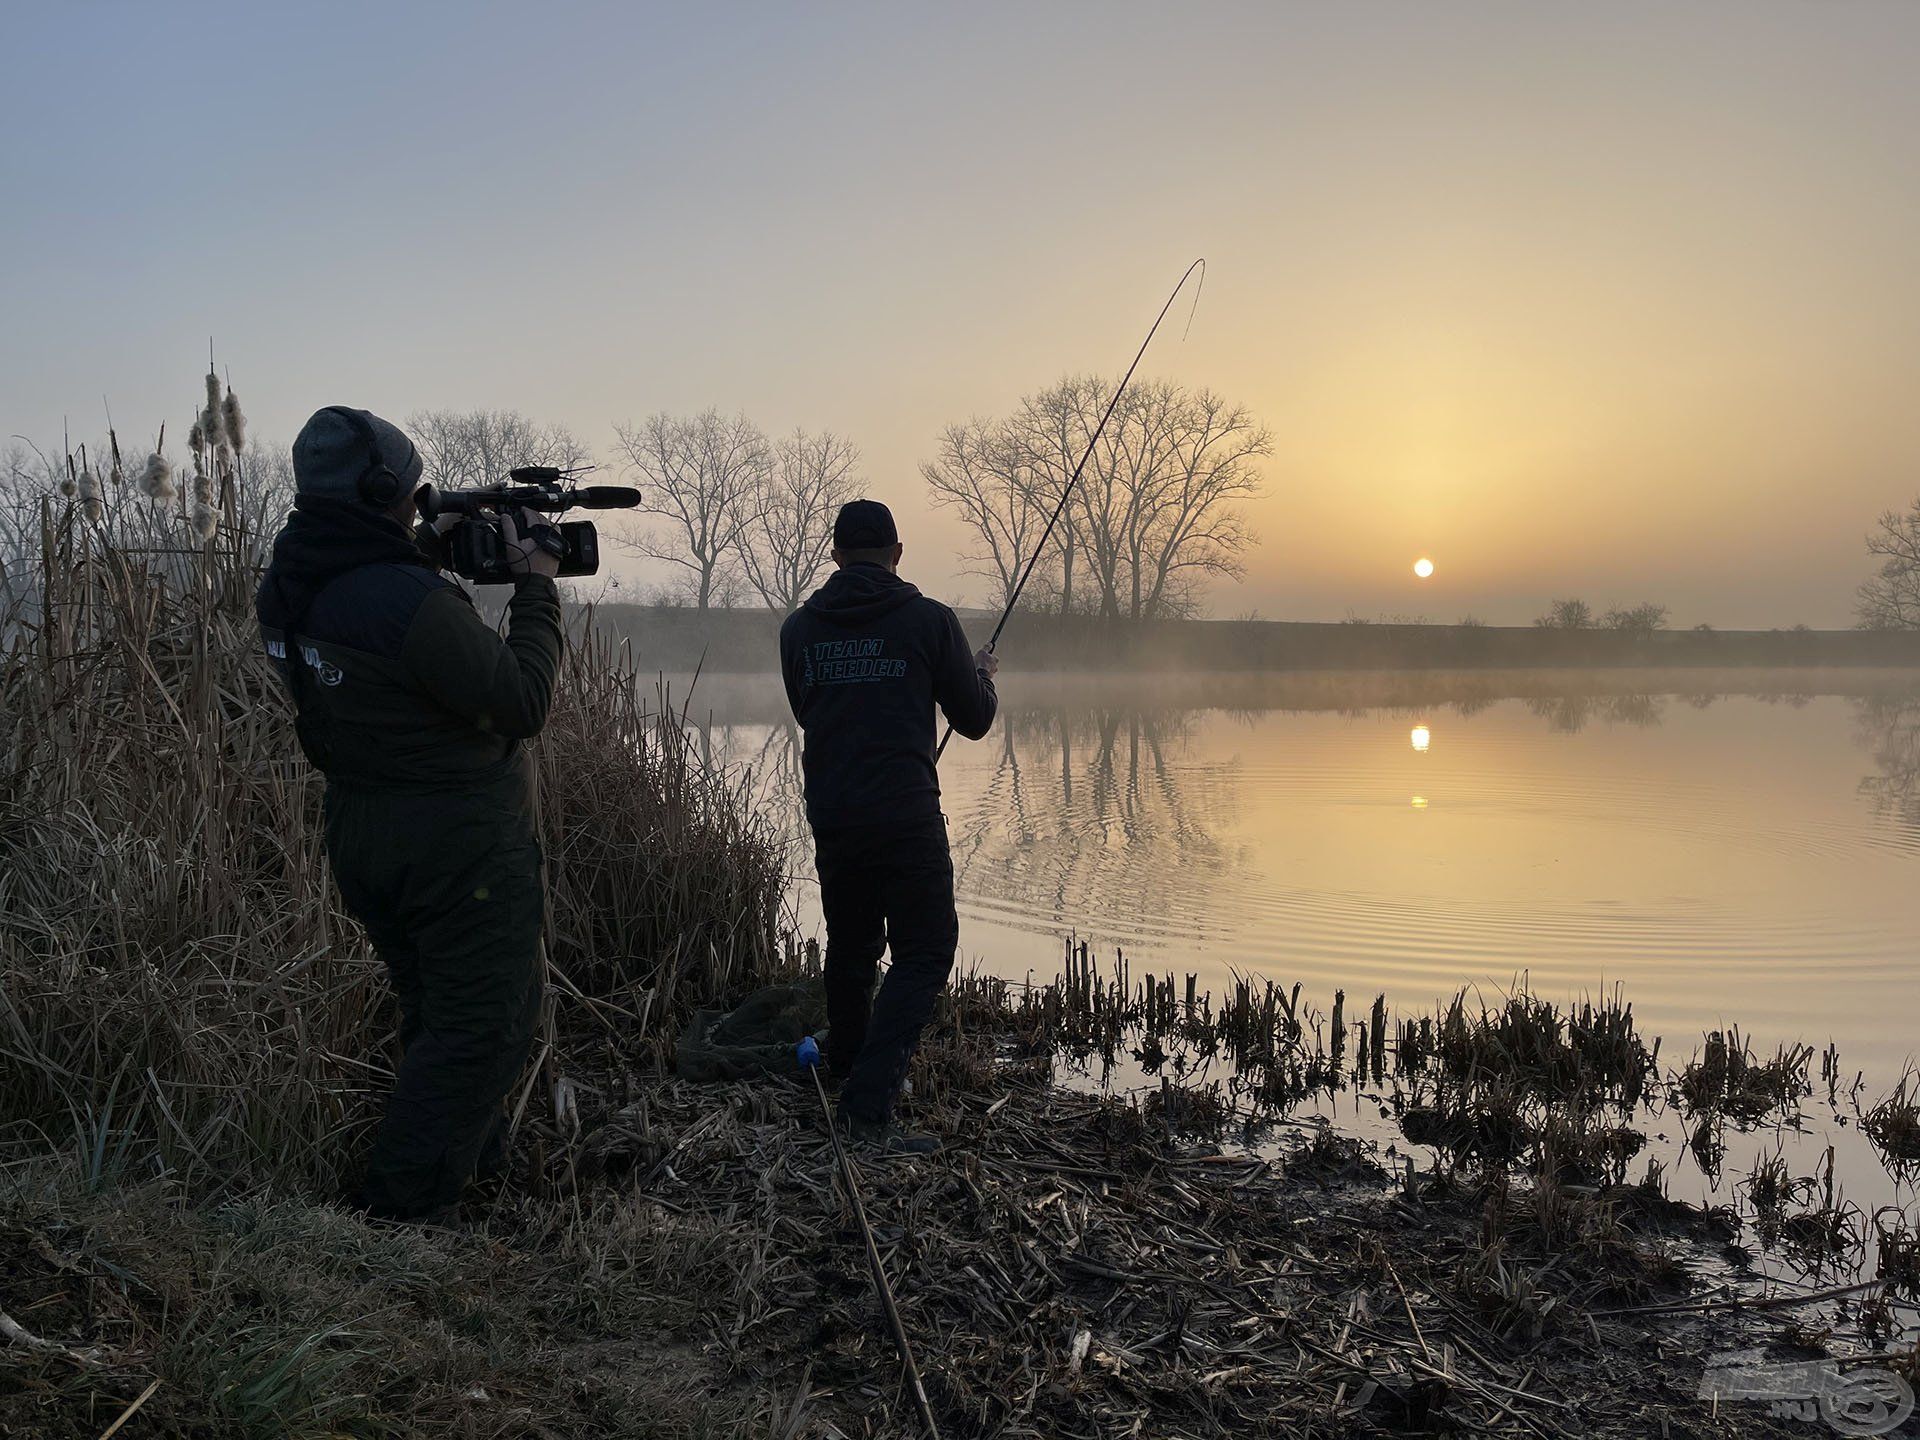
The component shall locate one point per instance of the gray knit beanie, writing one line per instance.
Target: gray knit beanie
(331, 454)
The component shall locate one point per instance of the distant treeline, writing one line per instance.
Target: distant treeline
(681, 639)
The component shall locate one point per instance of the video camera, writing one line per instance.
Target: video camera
(477, 548)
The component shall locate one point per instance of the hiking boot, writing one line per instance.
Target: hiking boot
(883, 1136)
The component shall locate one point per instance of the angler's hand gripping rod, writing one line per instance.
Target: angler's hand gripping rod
(1067, 490)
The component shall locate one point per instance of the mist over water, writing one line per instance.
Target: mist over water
(1729, 848)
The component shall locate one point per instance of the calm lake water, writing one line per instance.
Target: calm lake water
(1730, 848)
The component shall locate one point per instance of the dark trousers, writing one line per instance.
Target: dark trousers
(883, 887)
(448, 888)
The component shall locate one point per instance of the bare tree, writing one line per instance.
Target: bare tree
(1114, 490)
(1049, 431)
(705, 476)
(1567, 615)
(478, 447)
(789, 539)
(1891, 599)
(1156, 513)
(1642, 620)
(1185, 525)
(982, 473)
(266, 490)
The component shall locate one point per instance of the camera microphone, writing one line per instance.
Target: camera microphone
(605, 497)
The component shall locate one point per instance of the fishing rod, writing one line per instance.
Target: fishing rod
(808, 1054)
(1085, 455)
(808, 1050)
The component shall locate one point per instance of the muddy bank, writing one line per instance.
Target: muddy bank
(1070, 1266)
(678, 1259)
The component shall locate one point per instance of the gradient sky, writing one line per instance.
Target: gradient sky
(1614, 300)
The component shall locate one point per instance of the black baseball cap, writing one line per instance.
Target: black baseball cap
(864, 525)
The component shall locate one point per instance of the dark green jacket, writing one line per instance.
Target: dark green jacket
(401, 684)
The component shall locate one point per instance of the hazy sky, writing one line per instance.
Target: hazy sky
(1616, 300)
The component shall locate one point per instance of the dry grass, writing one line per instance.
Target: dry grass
(180, 995)
(280, 1318)
(194, 1037)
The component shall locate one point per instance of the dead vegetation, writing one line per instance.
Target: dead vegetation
(1894, 1123)
(1726, 1078)
(1070, 1265)
(1804, 1216)
(180, 994)
(1070, 1269)
(280, 1317)
(193, 1037)
(1899, 1253)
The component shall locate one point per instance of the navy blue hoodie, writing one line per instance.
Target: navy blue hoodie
(866, 659)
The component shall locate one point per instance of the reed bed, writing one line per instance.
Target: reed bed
(181, 996)
(1894, 1123)
(1726, 1077)
(1564, 1097)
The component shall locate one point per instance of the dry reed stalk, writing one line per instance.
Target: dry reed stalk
(179, 991)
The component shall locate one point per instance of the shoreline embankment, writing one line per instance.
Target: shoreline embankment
(675, 638)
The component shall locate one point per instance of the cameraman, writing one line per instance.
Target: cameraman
(414, 709)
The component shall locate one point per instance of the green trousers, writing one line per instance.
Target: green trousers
(448, 888)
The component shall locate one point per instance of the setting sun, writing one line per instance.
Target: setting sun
(1423, 567)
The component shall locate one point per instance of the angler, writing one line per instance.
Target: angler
(866, 660)
(865, 881)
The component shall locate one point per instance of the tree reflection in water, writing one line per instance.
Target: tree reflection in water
(1081, 817)
(1888, 726)
(1084, 820)
(1570, 714)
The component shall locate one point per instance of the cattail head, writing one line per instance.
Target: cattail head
(88, 487)
(197, 439)
(212, 423)
(156, 478)
(236, 423)
(205, 520)
(119, 475)
(202, 487)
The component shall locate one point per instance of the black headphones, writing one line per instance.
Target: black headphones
(379, 483)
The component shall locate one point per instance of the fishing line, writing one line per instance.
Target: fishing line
(1067, 490)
